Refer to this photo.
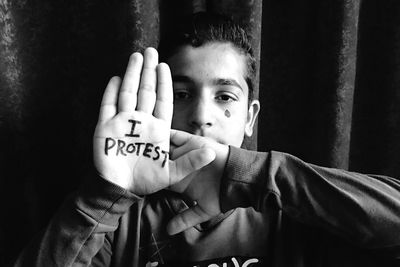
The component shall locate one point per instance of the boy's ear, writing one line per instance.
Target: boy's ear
(252, 114)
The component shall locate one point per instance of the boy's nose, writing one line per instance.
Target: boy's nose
(202, 115)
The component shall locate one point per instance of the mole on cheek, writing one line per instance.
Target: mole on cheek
(227, 113)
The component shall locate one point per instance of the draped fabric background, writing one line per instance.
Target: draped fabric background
(328, 85)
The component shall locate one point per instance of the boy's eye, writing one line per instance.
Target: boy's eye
(225, 98)
(181, 95)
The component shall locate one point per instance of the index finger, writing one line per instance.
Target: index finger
(187, 219)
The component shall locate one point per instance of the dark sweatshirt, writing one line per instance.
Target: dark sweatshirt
(278, 211)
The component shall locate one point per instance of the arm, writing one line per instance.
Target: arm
(361, 208)
(77, 232)
(130, 151)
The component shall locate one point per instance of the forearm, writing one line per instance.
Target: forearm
(360, 208)
(77, 232)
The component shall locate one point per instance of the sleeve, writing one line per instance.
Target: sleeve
(81, 228)
(361, 208)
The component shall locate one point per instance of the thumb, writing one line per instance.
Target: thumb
(187, 219)
(189, 162)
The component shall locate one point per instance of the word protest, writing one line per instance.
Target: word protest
(122, 148)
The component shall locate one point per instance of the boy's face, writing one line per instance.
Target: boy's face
(211, 94)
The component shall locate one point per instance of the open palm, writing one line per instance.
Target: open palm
(131, 140)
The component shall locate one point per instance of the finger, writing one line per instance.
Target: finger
(182, 142)
(127, 95)
(187, 219)
(179, 138)
(108, 107)
(148, 80)
(164, 100)
(188, 163)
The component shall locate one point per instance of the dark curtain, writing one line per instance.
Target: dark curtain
(328, 87)
(330, 83)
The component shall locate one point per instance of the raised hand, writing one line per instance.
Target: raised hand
(201, 186)
(132, 136)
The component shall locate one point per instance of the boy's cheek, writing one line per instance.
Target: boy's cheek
(178, 123)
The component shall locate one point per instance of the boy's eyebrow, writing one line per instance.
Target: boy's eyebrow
(227, 81)
(216, 81)
(181, 78)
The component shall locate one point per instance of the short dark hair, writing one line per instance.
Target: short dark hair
(204, 28)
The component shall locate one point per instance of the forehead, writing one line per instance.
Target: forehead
(209, 61)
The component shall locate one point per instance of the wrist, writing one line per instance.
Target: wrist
(222, 153)
(244, 179)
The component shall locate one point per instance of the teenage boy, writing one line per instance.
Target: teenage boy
(245, 208)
